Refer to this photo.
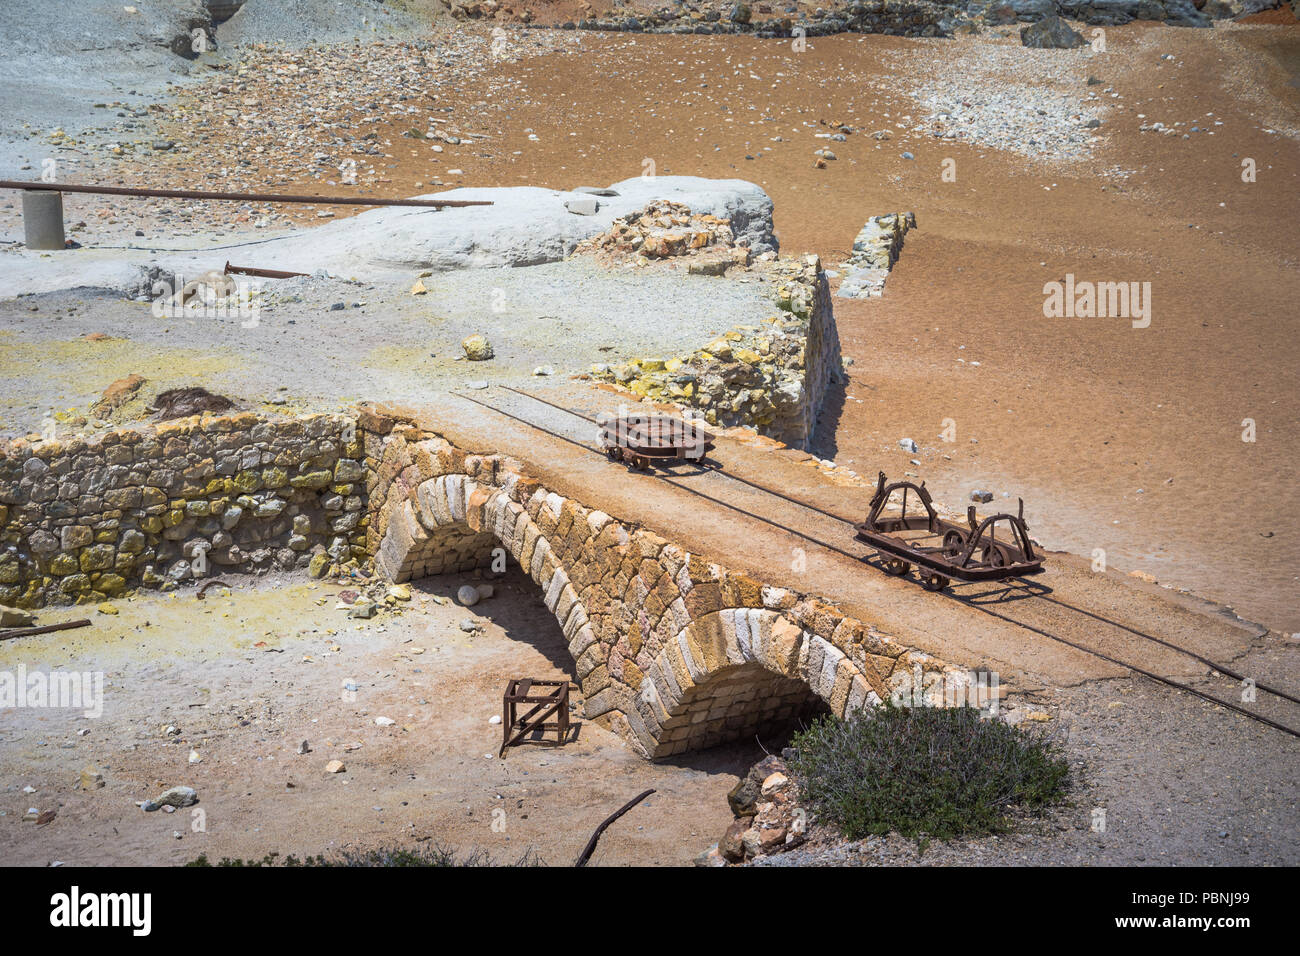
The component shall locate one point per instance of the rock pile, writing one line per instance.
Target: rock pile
(668, 230)
(771, 377)
(768, 816)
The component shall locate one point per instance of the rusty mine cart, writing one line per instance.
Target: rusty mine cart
(943, 550)
(642, 440)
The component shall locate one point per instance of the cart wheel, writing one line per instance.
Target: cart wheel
(614, 453)
(934, 582)
(994, 556)
(897, 567)
(954, 543)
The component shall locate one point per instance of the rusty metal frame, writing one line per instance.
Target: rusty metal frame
(554, 703)
(956, 557)
(240, 197)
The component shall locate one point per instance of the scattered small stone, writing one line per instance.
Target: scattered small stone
(363, 608)
(477, 348)
(175, 797)
(12, 617)
(981, 496)
(335, 766)
(91, 779)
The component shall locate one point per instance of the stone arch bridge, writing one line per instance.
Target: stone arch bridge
(674, 652)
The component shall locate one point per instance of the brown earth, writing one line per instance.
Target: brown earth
(1120, 439)
(246, 675)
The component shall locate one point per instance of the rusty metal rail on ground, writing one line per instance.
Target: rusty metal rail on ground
(1168, 682)
(261, 273)
(240, 197)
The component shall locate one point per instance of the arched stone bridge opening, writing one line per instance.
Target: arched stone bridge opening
(673, 652)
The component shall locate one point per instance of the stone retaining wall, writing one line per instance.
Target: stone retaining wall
(671, 650)
(772, 377)
(85, 519)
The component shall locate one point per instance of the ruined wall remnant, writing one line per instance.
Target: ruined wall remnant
(772, 377)
(84, 519)
(875, 250)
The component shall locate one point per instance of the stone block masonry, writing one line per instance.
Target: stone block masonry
(673, 651)
(85, 519)
(772, 377)
(875, 250)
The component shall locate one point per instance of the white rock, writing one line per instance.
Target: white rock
(468, 595)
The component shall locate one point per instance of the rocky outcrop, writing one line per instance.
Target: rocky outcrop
(1051, 33)
(915, 18)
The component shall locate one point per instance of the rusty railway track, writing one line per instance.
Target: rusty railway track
(1027, 586)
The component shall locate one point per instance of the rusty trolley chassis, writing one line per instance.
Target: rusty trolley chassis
(970, 553)
(640, 440)
(553, 702)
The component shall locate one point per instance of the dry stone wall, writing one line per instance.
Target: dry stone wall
(84, 519)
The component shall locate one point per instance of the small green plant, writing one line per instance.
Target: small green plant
(434, 855)
(925, 772)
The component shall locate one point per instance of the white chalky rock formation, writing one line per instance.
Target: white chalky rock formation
(525, 225)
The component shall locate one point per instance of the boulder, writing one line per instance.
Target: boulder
(1051, 33)
(175, 797)
(477, 348)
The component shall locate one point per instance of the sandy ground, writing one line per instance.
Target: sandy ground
(326, 343)
(1121, 439)
(247, 675)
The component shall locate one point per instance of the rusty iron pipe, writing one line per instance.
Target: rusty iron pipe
(262, 273)
(241, 197)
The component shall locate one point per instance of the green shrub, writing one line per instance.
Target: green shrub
(925, 772)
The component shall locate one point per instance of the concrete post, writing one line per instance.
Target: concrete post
(43, 219)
